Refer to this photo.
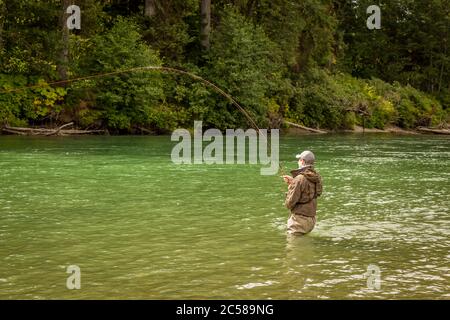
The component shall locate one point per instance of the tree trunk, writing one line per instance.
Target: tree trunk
(64, 53)
(150, 8)
(2, 20)
(205, 23)
(250, 7)
(442, 70)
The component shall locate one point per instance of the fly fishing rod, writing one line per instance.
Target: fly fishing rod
(147, 68)
(151, 68)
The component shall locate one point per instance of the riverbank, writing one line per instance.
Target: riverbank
(291, 130)
(389, 129)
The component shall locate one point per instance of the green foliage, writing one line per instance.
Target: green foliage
(411, 47)
(305, 31)
(321, 101)
(31, 38)
(418, 109)
(125, 99)
(173, 30)
(11, 104)
(341, 101)
(19, 105)
(312, 61)
(243, 62)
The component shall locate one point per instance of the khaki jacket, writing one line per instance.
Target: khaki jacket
(302, 194)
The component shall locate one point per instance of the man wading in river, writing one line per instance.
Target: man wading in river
(304, 187)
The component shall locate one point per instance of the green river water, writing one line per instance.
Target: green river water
(141, 227)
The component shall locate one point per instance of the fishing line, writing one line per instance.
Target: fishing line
(152, 68)
(148, 68)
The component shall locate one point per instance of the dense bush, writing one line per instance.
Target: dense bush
(340, 101)
(244, 62)
(42, 104)
(122, 100)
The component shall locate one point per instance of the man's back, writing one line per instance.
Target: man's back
(303, 192)
(301, 200)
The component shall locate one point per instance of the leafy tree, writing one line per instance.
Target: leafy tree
(411, 47)
(244, 62)
(124, 99)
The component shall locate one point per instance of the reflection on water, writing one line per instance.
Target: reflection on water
(139, 226)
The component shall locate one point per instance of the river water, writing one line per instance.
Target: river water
(139, 226)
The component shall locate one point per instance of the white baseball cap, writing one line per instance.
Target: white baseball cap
(308, 156)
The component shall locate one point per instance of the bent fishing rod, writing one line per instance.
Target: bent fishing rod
(152, 68)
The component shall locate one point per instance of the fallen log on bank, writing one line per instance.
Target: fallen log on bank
(57, 131)
(14, 132)
(304, 128)
(49, 132)
(142, 129)
(435, 131)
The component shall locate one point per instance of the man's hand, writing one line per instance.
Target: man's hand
(288, 179)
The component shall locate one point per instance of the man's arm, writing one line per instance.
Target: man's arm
(293, 194)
